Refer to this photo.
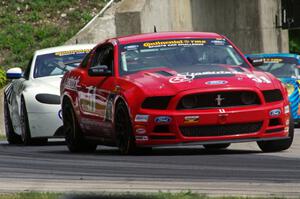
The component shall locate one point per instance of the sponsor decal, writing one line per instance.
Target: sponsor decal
(275, 112)
(169, 43)
(163, 119)
(132, 47)
(216, 82)
(141, 138)
(140, 131)
(72, 82)
(218, 42)
(259, 79)
(141, 118)
(272, 60)
(286, 109)
(179, 79)
(191, 119)
(72, 52)
(188, 77)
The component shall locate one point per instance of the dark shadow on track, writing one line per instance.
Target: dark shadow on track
(160, 152)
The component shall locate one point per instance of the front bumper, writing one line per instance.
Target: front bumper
(224, 125)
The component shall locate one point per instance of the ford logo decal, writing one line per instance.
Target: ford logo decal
(216, 82)
(163, 119)
(60, 114)
(275, 112)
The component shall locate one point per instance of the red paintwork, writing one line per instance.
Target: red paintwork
(133, 89)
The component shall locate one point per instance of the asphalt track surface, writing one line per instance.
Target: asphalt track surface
(242, 169)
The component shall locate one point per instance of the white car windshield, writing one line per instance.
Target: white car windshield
(178, 55)
(58, 63)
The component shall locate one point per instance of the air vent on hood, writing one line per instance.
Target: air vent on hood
(164, 73)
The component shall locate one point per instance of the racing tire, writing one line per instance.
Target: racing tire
(25, 130)
(75, 140)
(124, 134)
(11, 136)
(216, 146)
(278, 145)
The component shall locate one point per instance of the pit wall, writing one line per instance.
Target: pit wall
(251, 25)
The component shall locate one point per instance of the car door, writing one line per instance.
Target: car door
(95, 92)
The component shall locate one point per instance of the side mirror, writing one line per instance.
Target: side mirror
(14, 73)
(255, 61)
(100, 70)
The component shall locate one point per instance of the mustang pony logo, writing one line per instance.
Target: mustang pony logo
(219, 99)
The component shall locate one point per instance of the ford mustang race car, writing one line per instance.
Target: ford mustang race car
(169, 88)
(285, 67)
(31, 99)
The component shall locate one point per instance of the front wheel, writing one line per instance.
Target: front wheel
(75, 140)
(125, 139)
(278, 145)
(25, 130)
(11, 136)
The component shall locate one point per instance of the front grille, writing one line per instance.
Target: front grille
(218, 100)
(220, 130)
(273, 95)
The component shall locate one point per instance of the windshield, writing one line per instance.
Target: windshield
(280, 67)
(184, 55)
(58, 63)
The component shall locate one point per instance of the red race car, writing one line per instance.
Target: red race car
(169, 88)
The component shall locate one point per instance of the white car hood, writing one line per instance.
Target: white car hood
(48, 84)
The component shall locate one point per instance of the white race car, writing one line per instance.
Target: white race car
(31, 100)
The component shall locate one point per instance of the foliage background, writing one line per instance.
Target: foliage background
(294, 41)
(28, 25)
(2, 78)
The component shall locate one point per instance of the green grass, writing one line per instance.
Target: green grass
(31, 195)
(160, 195)
(28, 25)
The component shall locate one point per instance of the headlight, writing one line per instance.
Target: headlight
(290, 88)
(189, 101)
(248, 98)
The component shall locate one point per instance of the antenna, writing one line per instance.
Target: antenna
(155, 28)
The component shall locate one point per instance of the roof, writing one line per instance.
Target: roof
(64, 48)
(165, 35)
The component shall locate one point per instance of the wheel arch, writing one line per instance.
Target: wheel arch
(118, 100)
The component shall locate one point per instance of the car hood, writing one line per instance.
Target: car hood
(169, 82)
